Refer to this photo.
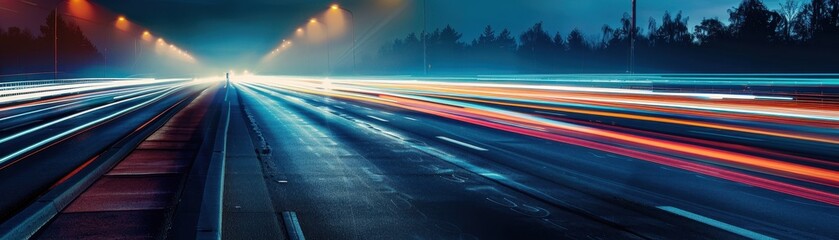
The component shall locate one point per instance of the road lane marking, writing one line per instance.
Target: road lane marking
(410, 118)
(462, 143)
(292, 226)
(715, 223)
(378, 118)
(36, 111)
(727, 136)
(20, 125)
(552, 113)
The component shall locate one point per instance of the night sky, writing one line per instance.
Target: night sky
(242, 31)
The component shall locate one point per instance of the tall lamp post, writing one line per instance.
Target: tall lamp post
(55, 40)
(425, 36)
(328, 47)
(55, 43)
(352, 31)
(632, 33)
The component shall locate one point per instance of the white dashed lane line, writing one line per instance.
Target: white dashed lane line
(721, 225)
(462, 143)
(378, 118)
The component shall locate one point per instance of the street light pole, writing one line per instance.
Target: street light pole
(425, 36)
(352, 32)
(55, 44)
(632, 34)
(328, 49)
(352, 16)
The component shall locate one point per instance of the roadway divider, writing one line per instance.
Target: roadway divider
(198, 214)
(209, 217)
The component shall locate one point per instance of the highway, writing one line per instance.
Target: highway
(378, 158)
(51, 131)
(489, 157)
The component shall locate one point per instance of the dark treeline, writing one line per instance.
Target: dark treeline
(796, 37)
(22, 51)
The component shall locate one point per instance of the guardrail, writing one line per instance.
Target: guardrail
(13, 88)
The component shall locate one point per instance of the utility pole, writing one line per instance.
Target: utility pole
(55, 45)
(352, 15)
(632, 33)
(425, 36)
(328, 49)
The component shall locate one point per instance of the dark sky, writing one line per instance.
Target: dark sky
(240, 32)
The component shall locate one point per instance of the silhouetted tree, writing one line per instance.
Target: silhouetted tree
(487, 40)
(559, 42)
(577, 42)
(536, 44)
(672, 32)
(22, 52)
(818, 22)
(578, 51)
(752, 23)
(793, 38)
(490, 50)
(444, 46)
(789, 10)
(711, 31)
(506, 41)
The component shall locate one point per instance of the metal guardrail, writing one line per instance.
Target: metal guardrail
(9, 88)
(12, 88)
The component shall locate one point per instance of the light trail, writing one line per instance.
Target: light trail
(513, 108)
(55, 90)
(150, 94)
(119, 94)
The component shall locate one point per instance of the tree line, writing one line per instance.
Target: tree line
(22, 51)
(794, 37)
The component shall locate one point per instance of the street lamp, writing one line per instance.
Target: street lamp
(352, 17)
